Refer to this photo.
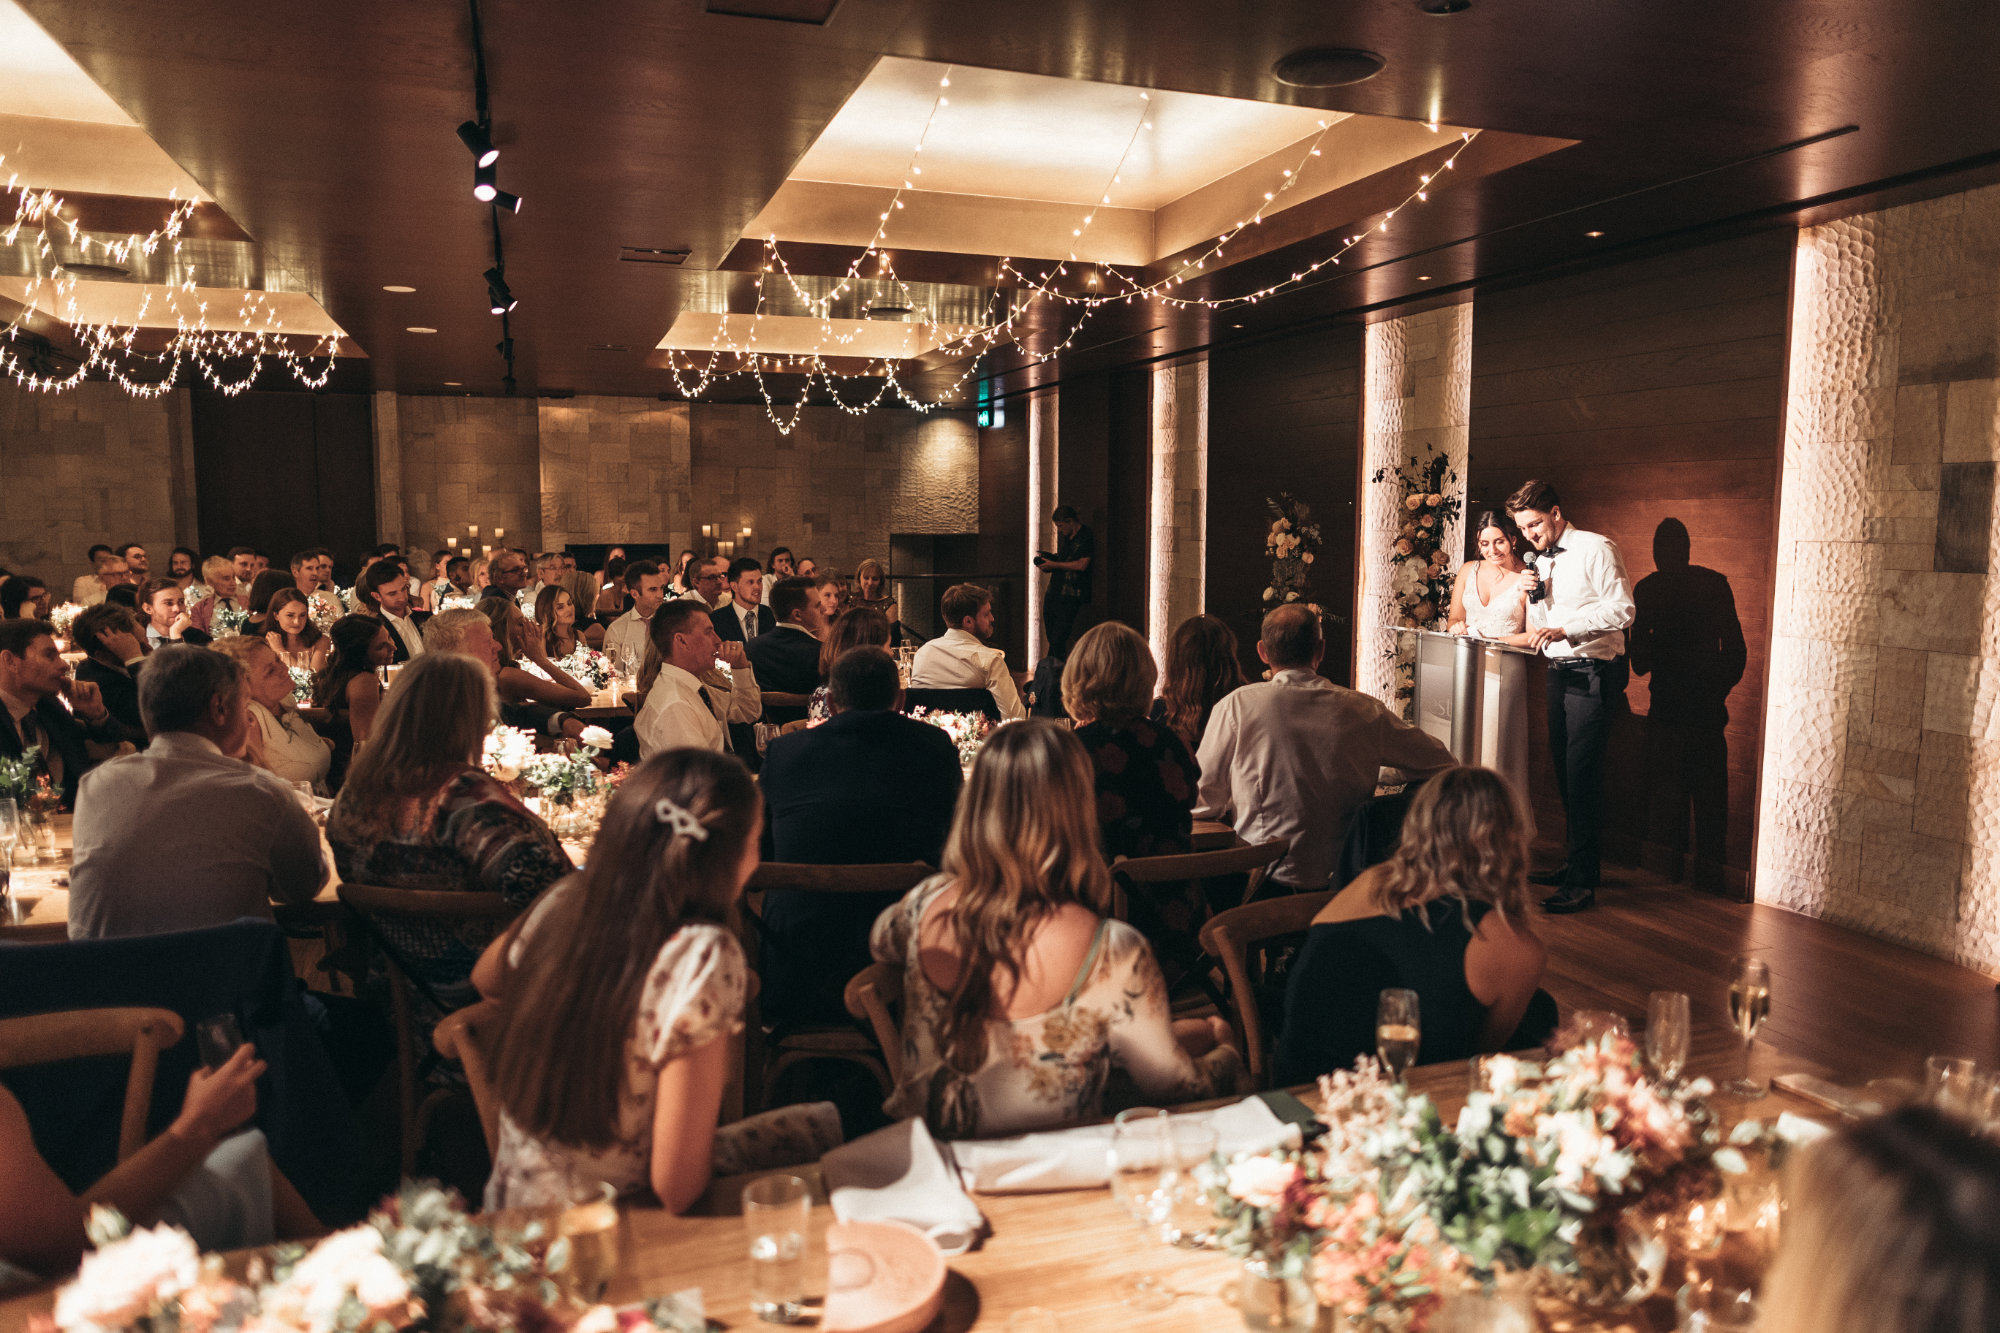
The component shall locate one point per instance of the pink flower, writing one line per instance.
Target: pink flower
(1414, 502)
(1261, 1182)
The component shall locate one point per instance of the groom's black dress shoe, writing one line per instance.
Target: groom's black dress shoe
(1550, 878)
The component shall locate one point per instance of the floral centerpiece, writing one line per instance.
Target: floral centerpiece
(508, 750)
(226, 621)
(586, 666)
(1292, 543)
(1420, 568)
(303, 681)
(968, 731)
(62, 617)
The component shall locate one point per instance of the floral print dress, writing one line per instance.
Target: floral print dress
(1051, 1068)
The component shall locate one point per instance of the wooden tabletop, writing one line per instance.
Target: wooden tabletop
(1213, 836)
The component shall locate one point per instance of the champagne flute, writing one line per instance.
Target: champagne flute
(1749, 1006)
(10, 831)
(1667, 1034)
(1398, 1031)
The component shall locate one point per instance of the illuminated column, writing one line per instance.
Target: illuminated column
(1041, 503)
(1417, 384)
(1177, 500)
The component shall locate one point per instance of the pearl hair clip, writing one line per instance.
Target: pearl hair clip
(679, 819)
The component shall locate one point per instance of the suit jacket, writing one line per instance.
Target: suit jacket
(860, 788)
(120, 688)
(67, 735)
(786, 659)
(730, 626)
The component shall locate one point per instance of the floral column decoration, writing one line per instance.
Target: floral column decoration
(1420, 567)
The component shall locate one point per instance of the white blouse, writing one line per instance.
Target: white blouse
(292, 749)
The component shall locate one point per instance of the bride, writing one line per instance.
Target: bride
(1490, 601)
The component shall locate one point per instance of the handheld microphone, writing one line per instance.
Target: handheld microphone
(1531, 555)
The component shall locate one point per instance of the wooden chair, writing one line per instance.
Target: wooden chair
(467, 1036)
(1253, 862)
(875, 997)
(41, 1039)
(1245, 939)
(766, 1061)
(369, 903)
(1136, 899)
(783, 699)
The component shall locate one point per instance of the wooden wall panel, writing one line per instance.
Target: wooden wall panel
(1003, 518)
(1646, 391)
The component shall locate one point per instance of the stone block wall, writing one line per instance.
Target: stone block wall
(469, 461)
(1881, 779)
(614, 470)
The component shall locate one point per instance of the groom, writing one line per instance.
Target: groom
(1579, 605)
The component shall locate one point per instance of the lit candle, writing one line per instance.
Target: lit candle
(708, 529)
(472, 531)
(499, 533)
(745, 534)
(486, 550)
(451, 542)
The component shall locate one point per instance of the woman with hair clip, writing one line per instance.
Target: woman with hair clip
(1450, 915)
(620, 992)
(1020, 993)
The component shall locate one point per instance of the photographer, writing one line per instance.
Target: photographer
(1068, 567)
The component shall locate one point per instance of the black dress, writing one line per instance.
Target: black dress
(1330, 997)
(1146, 782)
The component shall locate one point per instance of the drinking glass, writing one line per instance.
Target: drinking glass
(1398, 1030)
(1950, 1083)
(775, 1209)
(1138, 1156)
(1749, 1006)
(1190, 1220)
(1667, 1034)
(10, 831)
(39, 833)
(1714, 1307)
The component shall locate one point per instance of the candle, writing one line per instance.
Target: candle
(451, 542)
(708, 529)
(498, 533)
(745, 534)
(472, 530)
(486, 550)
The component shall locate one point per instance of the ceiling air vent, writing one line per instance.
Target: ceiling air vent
(889, 312)
(610, 347)
(98, 272)
(646, 254)
(782, 11)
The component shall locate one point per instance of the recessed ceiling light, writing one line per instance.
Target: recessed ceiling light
(395, 287)
(418, 328)
(1442, 7)
(1593, 234)
(1423, 277)
(1235, 326)
(1327, 67)
(452, 384)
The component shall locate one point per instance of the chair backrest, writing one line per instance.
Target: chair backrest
(1234, 937)
(380, 901)
(73, 1034)
(973, 700)
(468, 1036)
(874, 996)
(1253, 862)
(785, 699)
(1371, 833)
(891, 877)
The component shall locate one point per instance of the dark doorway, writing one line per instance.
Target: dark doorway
(284, 471)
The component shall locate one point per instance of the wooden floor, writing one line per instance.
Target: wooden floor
(1840, 999)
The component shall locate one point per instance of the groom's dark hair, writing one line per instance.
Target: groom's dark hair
(1535, 494)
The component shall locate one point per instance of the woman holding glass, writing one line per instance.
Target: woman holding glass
(1449, 917)
(293, 636)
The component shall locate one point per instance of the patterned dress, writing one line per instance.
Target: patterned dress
(1146, 782)
(1051, 1068)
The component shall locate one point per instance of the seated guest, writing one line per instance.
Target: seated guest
(746, 616)
(708, 580)
(32, 676)
(519, 643)
(611, 600)
(298, 642)
(860, 627)
(427, 589)
(681, 710)
(506, 574)
(1449, 916)
(264, 590)
(868, 786)
(112, 572)
(109, 639)
(782, 567)
(23, 596)
(645, 591)
(243, 559)
(1292, 756)
(347, 687)
(137, 563)
(555, 622)
(165, 608)
(384, 594)
(281, 741)
(418, 812)
(88, 589)
(1889, 1228)
(464, 630)
(1145, 777)
(1202, 667)
(1019, 993)
(126, 596)
(682, 582)
(621, 990)
(960, 659)
(183, 565)
(218, 576)
(185, 834)
(787, 658)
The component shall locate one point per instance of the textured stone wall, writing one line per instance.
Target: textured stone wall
(1881, 779)
(1043, 469)
(1416, 400)
(614, 470)
(470, 461)
(91, 465)
(1177, 500)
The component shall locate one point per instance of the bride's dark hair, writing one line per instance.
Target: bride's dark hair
(1494, 518)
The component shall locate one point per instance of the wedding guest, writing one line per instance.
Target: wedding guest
(427, 592)
(1889, 1228)
(259, 562)
(112, 572)
(23, 595)
(1490, 597)
(646, 590)
(1579, 606)
(683, 580)
(137, 563)
(782, 567)
(859, 627)
(182, 566)
(297, 642)
(555, 621)
(264, 589)
(553, 688)
(548, 574)
(620, 991)
(34, 685)
(1020, 994)
(827, 587)
(464, 630)
(127, 596)
(218, 575)
(871, 589)
(711, 578)
(612, 601)
(113, 646)
(1145, 777)
(506, 574)
(418, 812)
(480, 579)
(746, 616)
(165, 606)
(825, 793)
(244, 560)
(457, 588)
(787, 657)
(383, 593)
(1450, 915)
(317, 585)
(1203, 666)
(960, 659)
(1290, 758)
(88, 589)
(151, 856)
(348, 687)
(1069, 570)
(280, 740)
(681, 712)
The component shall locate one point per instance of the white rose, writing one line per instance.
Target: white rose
(1270, 594)
(122, 1282)
(1261, 1182)
(597, 738)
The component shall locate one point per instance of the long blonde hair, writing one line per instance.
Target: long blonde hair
(1109, 677)
(432, 725)
(1465, 838)
(1024, 843)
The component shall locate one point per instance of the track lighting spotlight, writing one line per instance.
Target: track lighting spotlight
(499, 297)
(478, 141)
(510, 202)
(483, 188)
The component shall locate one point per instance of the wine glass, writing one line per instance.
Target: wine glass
(1667, 1034)
(1190, 1220)
(1749, 1006)
(1138, 1157)
(10, 831)
(1398, 1031)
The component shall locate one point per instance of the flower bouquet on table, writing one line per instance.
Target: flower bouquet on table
(302, 686)
(227, 621)
(508, 752)
(62, 617)
(587, 667)
(968, 731)
(17, 776)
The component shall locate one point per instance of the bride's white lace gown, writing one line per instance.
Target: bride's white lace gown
(1506, 704)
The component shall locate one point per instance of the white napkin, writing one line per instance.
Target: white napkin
(1076, 1159)
(899, 1174)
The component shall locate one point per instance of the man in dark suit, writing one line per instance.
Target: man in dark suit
(32, 676)
(868, 786)
(383, 593)
(744, 619)
(787, 658)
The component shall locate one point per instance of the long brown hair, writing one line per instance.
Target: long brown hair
(545, 616)
(281, 599)
(432, 724)
(856, 627)
(1465, 838)
(1202, 667)
(1025, 842)
(571, 999)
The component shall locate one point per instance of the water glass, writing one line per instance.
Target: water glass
(1667, 1034)
(1136, 1156)
(775, 1210)
(10, 830)
(1190, 1152)
(592, 1225)
(39, 835)
(1714, 1307)
(1398, 1030)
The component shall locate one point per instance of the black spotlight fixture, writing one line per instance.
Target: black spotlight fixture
(1441, 8)
(510, 202)
(1327, 67)
(498, 296)
(483, 188)
(478, 141)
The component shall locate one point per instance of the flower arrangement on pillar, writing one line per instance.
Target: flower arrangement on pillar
(1291, 543)
(1420, 569)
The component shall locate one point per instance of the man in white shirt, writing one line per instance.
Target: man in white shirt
(681, 712)
(960, 660)
(1579, 607)
(152, 855)
(384, 592)
(87, 591)
(625, 641)
(1293, 756)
